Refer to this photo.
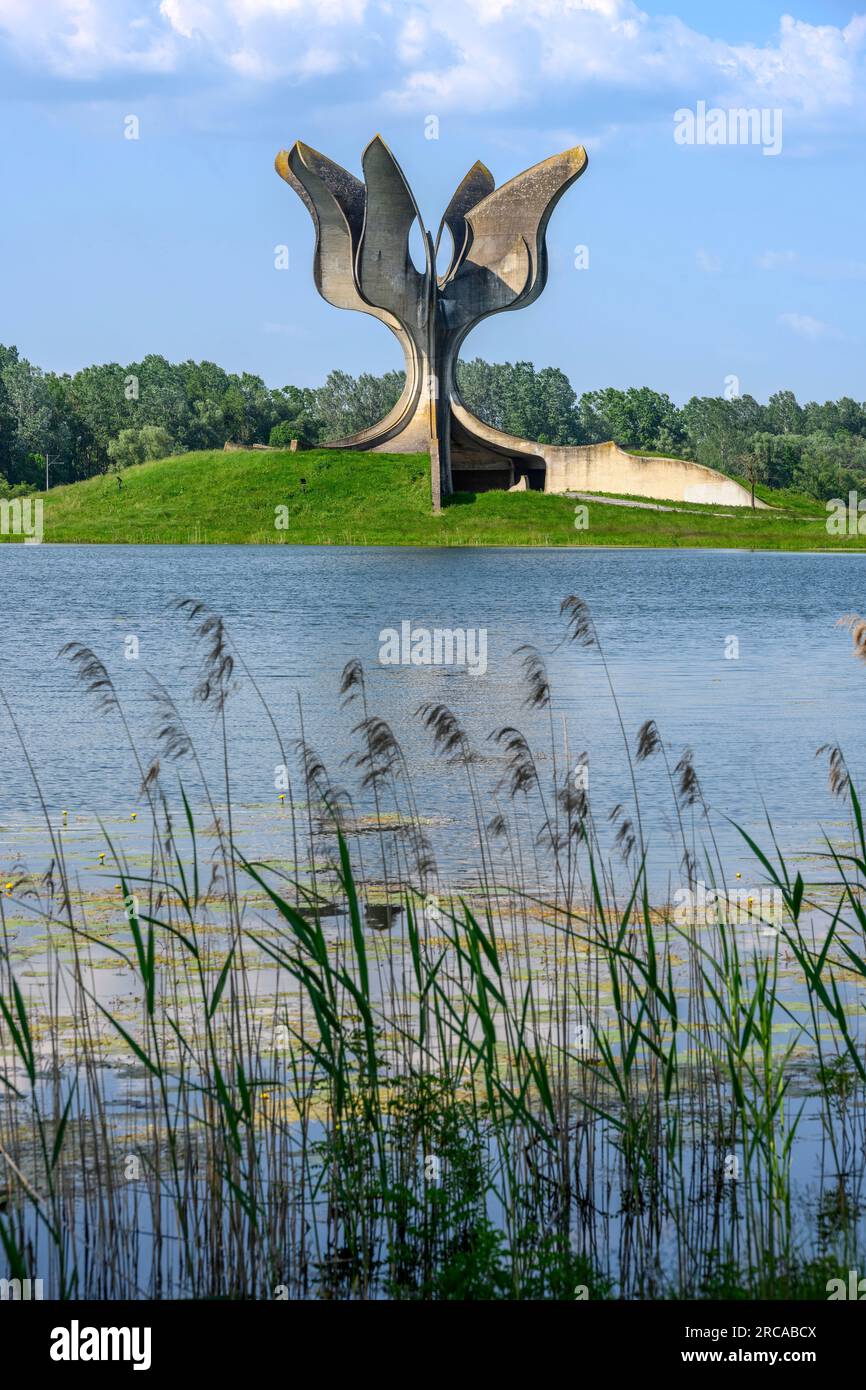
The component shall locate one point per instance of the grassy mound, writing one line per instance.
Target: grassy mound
(324, 497)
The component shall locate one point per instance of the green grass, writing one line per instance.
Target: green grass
(384, 499)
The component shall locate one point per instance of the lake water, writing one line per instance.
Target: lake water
(735, 655)
(666, 620)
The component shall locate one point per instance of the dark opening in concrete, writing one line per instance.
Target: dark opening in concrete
(475, 468)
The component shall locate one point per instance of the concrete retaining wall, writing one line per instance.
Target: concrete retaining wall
(608, 468)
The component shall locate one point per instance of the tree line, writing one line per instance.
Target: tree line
(109, 416)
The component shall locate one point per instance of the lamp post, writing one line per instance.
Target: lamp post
(49, 463)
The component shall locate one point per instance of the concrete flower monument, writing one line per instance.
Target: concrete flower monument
(498, 262)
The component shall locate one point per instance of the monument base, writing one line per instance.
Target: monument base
(480, 458)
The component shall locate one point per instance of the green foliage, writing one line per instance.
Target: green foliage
(137, 446)
(8, 489)
(789, 1279)
(516, 398)
(636, 418)
(32, 422)
(302, 428)
(818, 449)
(346, 404)
(74, 418)
(302, 421)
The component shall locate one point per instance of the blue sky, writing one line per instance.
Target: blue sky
(704, 261)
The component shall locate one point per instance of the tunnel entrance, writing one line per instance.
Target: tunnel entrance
(475, 468)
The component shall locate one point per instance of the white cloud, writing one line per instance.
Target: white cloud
(270, 40)
(262, 40)
(813, 66)
(776, 260)
(439, 55)
(542, 46)
(85, 39)
(708, 262)
(807, 327)
(413, 38)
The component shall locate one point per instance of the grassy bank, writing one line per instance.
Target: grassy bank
(333, 498)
